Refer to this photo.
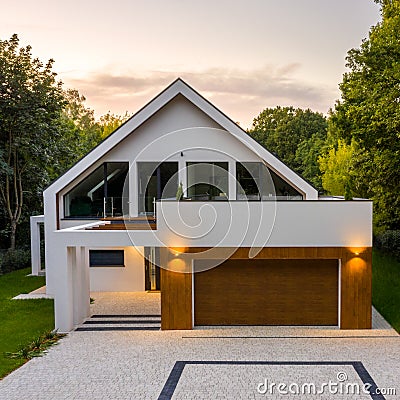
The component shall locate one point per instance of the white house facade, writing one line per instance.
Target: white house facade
(180, 199)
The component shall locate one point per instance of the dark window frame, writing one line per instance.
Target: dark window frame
(105, 187)
(158, 169)
(292, 193)
(95, 255)
(207, 196)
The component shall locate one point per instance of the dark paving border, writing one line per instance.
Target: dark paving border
(176, 373)
(122, 321)
(117, 328)
(292, 337)
(126, 316)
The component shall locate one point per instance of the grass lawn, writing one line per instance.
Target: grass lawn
(21, 320)
(386, 287)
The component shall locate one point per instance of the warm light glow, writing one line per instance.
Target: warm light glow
(357, 264)
(178, 265)
(177, 251)
(357, 250)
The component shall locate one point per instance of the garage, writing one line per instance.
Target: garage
(268, 292)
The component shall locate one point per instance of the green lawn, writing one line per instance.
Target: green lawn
(21, 321)
(386, 287)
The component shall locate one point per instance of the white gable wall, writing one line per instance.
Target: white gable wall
(179, 127)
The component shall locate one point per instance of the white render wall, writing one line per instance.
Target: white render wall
(264, 224)
(129, 278)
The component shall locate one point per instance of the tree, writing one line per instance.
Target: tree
(87, 131)
(110, 122)
(296, 136)
(81, 132)
(31, 102)
(369, 113)
(336, 166)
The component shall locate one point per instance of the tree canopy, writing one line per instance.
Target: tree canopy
(369, 113)
(44, 129)
(337, 168)
(295, 135)
(31, 102)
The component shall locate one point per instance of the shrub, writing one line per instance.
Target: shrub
(15, 259)
(37, 347)
(389, 242)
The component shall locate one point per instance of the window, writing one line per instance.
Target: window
(156, 181)
(100, 194)
(106, 258)
(255, 181)
(207, 180)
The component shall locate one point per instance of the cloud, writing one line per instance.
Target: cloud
(242, 94)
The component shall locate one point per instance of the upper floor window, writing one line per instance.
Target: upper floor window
(100, 194)
(156, 181)
(255, 181)
(207, 180)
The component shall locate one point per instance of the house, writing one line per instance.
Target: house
(248, 243)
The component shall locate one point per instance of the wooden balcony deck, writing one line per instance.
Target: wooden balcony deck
(132, 224)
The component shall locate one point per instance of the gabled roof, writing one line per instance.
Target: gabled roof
(174, 89)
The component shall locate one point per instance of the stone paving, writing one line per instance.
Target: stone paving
(139, 364)
(35, 294)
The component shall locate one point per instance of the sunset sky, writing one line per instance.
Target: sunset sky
(241, 55)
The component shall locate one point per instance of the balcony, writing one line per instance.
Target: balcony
(319, 223)
(119, 224)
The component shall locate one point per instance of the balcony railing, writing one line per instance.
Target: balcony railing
(114, 206)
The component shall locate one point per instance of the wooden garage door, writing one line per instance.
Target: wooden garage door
(267, 292)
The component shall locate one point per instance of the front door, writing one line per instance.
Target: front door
(152, 270)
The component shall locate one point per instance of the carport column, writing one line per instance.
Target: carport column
(176, 290)
(85, 276)
(64, 301)
(80, 286)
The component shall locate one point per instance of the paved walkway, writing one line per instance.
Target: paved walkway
(35, 294)
(219, 363)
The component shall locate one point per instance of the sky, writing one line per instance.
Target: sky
(243, 56)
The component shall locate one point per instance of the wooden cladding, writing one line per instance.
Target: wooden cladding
(302, 296)
(267, 292)
(356, 290)
(176, 296)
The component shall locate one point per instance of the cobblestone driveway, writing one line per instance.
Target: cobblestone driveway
(221, 363)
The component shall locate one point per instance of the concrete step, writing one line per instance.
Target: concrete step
(121, 322)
